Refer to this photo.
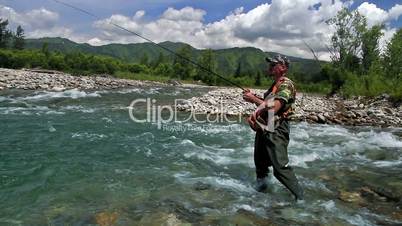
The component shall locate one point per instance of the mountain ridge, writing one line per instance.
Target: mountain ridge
(229, 60)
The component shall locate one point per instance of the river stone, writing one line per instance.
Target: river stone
(324, 177)
(385, 96)
(212, 102)
(321, 118)
(397, 215)
(350, 114)
(106, 219)
(376, 155)
(388, 110)
(313, 118)
(361, 114)
(337, 121)
(244, 217)
(163, 219)
(44, 86)
(58, 88)
(366, 192)
(352, 197)
(199, 186)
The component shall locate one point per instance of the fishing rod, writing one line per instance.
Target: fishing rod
(316, 59)
(313, 52)
(149, 40)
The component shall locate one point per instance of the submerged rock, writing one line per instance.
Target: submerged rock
(385, 192)
(174, 82)
(106, 218)
(397, 215)
(366, 192)
(163, 219)
(352, 197)
(321, 118)
(199, 186)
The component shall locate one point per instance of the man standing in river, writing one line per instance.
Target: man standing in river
(270, 121)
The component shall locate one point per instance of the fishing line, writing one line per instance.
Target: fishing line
(149, 40)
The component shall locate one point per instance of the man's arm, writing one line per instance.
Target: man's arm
(252, 98)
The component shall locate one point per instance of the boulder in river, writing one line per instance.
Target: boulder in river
(199, 186)
(161, 218)
(58, 88)
(321, 118)
(174, 82)
(106, 218)
(352, 197)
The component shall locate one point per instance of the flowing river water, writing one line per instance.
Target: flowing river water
(76, 158)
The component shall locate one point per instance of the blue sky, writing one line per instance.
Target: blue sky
(216, 10)
(277, 25)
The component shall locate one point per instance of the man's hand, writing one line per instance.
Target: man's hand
(252, 119)
(252, 123)
(249, 96)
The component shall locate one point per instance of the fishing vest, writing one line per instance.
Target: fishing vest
(289, 107)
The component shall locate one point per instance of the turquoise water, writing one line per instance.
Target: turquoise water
(67, 158)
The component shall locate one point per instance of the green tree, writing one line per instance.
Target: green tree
(56, 62)
(258, 79)
(208, 61)
(144, 59)
(393, 56)
(393, 65)
(5, 33)
(163, 69)
(45, 49)
(19, 39)
(335, 75)
(182, 68)
(238, 70)
(370, 46)
(159, 60)
(136, 68)
(346, 41)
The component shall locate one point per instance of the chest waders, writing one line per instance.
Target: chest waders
(271, 149)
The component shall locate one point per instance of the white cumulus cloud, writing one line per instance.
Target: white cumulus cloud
(377, 15)
(395, 12)
(185, 14)
(280, 26)
(37, 22)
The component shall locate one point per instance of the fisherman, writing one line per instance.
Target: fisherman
(271, 123)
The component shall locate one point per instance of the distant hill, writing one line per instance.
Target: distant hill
(248, 59)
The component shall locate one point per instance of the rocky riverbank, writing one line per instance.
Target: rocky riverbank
(58, 81)
(311, 108)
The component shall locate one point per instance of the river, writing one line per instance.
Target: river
(77, 158)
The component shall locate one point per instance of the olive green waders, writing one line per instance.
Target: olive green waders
(270, 149)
